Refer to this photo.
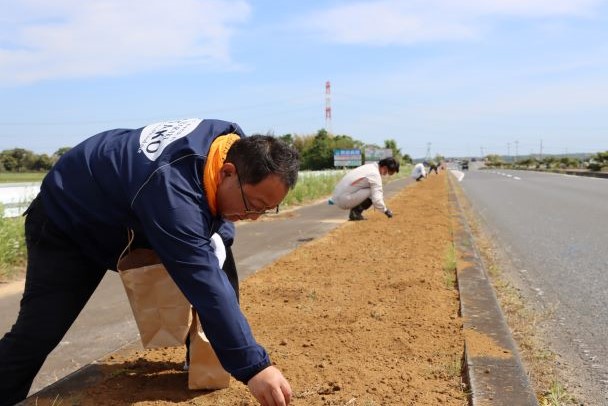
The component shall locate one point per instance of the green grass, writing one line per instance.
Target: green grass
(14, 177)
(557, 395)
(12, 246)
(449, 266)
(312, 186)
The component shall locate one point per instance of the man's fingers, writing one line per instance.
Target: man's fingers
(270, 388)
(278, 397)
(286, 393)
(272, 397)
(265, 400)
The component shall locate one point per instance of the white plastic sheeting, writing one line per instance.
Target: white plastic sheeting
(15, 197)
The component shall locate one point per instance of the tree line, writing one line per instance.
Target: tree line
(316, 152)
(24, 160)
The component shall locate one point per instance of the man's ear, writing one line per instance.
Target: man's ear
(227, 170)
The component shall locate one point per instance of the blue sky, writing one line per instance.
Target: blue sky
(466, 76)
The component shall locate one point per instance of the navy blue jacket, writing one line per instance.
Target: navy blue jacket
(150, 180)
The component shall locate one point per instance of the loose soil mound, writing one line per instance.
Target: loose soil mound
(363, 316)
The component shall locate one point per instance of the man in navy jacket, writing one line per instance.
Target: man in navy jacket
(174, 184)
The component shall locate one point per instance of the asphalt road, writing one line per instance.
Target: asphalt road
(106, 323)
(553, 229)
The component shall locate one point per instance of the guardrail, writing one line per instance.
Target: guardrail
(16, 197)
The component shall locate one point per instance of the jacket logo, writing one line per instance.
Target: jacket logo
(154, 138)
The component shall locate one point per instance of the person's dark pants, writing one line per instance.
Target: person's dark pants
(356, 213)
(59, 282)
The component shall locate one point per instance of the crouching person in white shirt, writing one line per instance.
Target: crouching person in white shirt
(361, 188)
(418, 172)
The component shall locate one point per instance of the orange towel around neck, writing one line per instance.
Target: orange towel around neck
(211, 173)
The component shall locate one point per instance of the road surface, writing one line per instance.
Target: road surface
(553, 228)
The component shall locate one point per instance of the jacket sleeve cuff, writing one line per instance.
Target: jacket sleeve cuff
(246, 375)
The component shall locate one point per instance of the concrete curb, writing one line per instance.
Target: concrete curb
(493, 367)
(79, 380)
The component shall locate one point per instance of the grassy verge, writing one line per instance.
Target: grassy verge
(12, 247)
(312, 186)
(449, 266)
(16, 177)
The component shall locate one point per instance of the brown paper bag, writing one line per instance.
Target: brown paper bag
(162, 313)
(205, 370)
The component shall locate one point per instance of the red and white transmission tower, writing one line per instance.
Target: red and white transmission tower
(328, 107)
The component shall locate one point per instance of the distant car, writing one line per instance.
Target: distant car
(464, 165)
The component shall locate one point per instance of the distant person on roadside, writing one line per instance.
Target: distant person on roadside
(418, 172)
(433, 167)
(174, 184)
(362, 187)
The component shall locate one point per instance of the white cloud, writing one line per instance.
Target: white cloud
(385, 23)
(72, 38)
(395, 22)
(523, 8)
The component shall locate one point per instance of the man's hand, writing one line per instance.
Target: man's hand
(270, 387)
(388, 213)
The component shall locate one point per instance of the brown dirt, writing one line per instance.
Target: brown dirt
(362, 316)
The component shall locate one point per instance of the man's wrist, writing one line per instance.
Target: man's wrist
(256, 371)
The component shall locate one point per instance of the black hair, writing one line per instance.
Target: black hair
(258, 156)
(390, 163)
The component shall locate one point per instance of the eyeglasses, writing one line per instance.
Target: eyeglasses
(247, 210)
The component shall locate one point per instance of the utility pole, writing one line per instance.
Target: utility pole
(328, 107)
(509, 151)
(540, 158)
(428, 152)
(516, 144)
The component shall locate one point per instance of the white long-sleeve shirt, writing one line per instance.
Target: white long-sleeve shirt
(418, 171)
(359, 184)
